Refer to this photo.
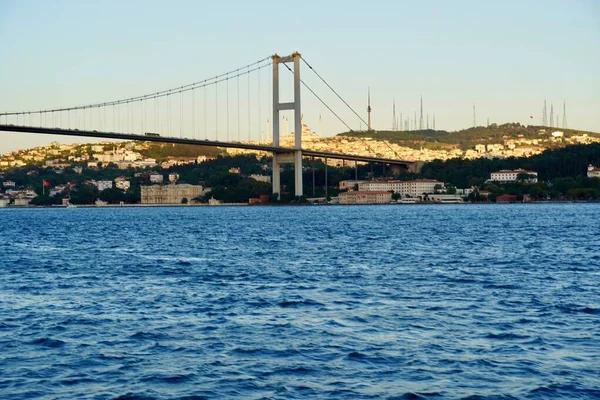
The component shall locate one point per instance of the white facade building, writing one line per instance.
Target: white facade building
(156, 178)
(593, 172)
(122, 184)
(413, 188)
(103, 185)
(505, 176)
(261, 178)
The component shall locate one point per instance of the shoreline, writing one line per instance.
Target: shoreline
(58, 206)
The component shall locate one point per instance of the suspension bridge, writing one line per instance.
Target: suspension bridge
(223, 111)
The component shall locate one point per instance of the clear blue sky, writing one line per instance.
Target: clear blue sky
(506, 57)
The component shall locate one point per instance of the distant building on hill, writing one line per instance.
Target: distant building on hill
(349, 184)
(507, 176)
(593, 172)
(156, 178)
(170, 194)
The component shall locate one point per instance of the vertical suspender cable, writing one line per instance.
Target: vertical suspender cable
(248, 104)
(180, 114)
(216, 110)
(194, 113)
(238, 108)
(227, 100)
(258, 97)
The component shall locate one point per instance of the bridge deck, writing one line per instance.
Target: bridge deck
(211, 143)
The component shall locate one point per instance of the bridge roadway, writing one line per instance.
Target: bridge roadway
(197, 142)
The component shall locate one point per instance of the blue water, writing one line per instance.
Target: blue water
(465, 301)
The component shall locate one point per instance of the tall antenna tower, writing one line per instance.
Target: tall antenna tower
(421, 120)
(545, 115)
(434, 122)
(369, 109)
(401, 122)
(427, 121)
(564, 121)
(551, 116)
(394, 122)
(474, 117)
(415, 122)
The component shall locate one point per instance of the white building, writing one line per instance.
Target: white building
(413, 188)
(173, 177)
(506, 176)
(593, 172)
(8, 184)
(261, 178)
(123, 184)
(103, 185)
(156, 178)
(169, 194)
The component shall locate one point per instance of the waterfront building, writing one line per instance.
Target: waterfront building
(365, 197)
(507, 176)
(169, 194)
(593, 172)
(412, 188)
(506, 198)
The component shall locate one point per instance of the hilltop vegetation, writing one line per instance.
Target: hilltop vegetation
(466, 138)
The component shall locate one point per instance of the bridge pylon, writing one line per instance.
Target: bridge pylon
(294, 157)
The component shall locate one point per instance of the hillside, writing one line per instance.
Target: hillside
(468, 138)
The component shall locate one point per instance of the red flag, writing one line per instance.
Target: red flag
(46, 183)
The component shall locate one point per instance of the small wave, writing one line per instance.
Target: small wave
(148, 336)
(300, 303)
(47, 342)
(590, 310)
(505, 336)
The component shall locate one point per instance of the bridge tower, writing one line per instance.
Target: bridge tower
(294, 157)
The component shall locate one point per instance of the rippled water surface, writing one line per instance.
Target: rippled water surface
(496, 301)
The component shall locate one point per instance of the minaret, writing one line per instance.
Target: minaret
(369, 110)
